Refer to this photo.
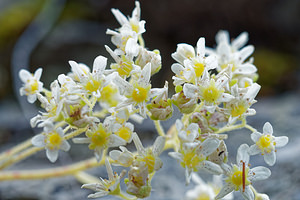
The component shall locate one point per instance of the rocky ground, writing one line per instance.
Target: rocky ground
(169, 183)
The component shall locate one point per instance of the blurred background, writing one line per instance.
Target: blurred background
(49, 33)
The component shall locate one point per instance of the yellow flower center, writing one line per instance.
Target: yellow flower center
(203, 196)
(211, 94)
(124, 67)
(54, 140)
(199, 68)
(124, 133)
(237, 178)
(238, 110)
(150, 162)
(139, 94)
(98, 138)
(32, 87)
(191, 160)
(93, 85)
(264, 143)
(107, 95)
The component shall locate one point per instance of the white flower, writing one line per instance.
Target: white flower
(211, 92)
(240, 176)
(192, 156)
(137, 92)
(121, 158)
(230, 53)
(192, 64)
(92, 82)
(53, 140)
(205, 191)
(188, 134)
(106, 187)
(99, 138)
(266, 144)
(239, 107)
(124, 131)
(124, 63)
(32, 85)
(150, 156)
(134, 22)
(119, 39)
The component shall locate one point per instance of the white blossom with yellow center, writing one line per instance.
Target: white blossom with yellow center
(239, 176)
(239, 107)
(192, 157)
(233, 53)
(137, 92)
(210, 91)
(94, 81)
(134, 22)
(191, 64)
(266, 144)
(100, 138)
(31, 84)
(104, 187)
(52, 140)
(188, 134)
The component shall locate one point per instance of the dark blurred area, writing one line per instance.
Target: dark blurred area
(75, 30)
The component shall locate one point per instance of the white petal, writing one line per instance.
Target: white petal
(145, 75)
(38, 73)
(190, 91)
(177, 68)
(222, 36)
(116, 141)
(281, 141)
(38, 140)
(209, 146)
(52, 155)
(245, 52)
(270, 158)
(211, 167)
(179, 125)
(31, 98)
(255, 136)
(24, 75)
(98, 194)
(132, 48)
(119, 16)
(226, 189)
(158, 145)
(242, 154)
(240, 41)
(254, 149)
(225, 97)
(99, 65)
(109, 169)
(65, 146)
(259, 173)
(268, 129)
(201, 47)
(248, 194)
(246, 68)
(252, 92)
(138, 144)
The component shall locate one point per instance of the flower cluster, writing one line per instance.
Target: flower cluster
(214, 91)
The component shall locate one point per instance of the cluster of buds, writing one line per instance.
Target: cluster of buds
(214, 90)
